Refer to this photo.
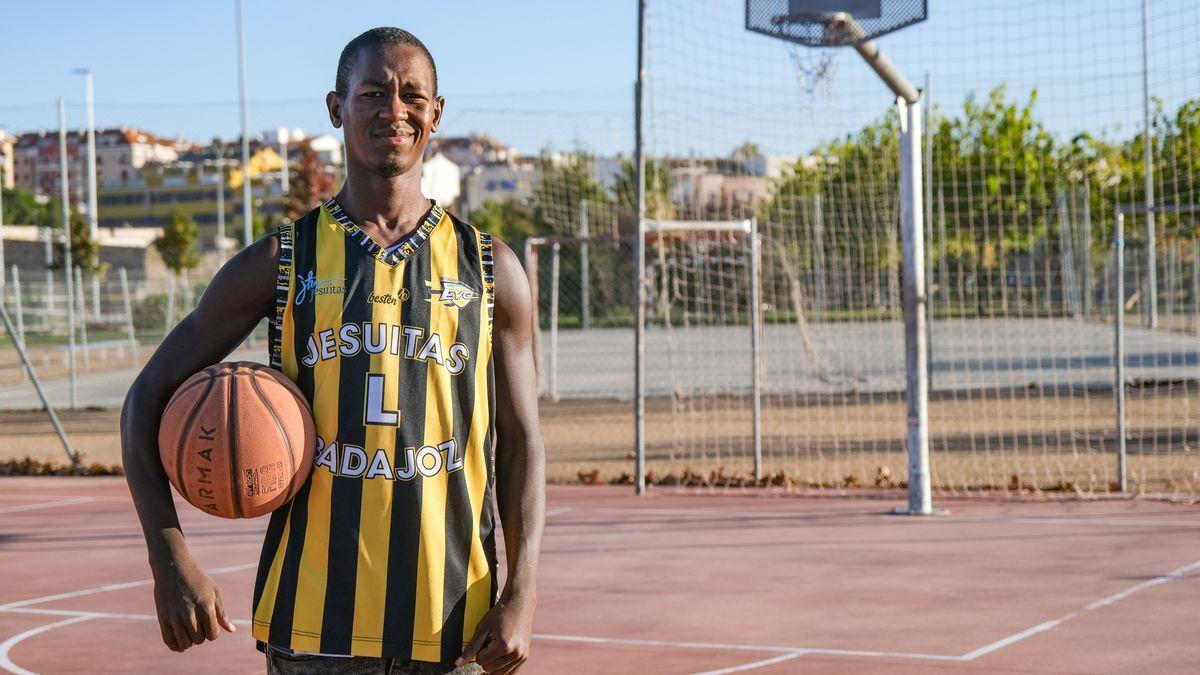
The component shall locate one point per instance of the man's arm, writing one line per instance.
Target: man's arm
(501, 643)
(242, 292)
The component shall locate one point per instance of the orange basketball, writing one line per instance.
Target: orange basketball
(237, 439)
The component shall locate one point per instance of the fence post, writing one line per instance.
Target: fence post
(133, 344)
(1119, 345)
(585, 311)
(756, 342)
(170, 314)
(18, 307)
(818, 248)
(1195, 285)
(553, 367)
(81, 305)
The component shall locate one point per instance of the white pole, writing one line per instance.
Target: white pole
(915, 348)
(18, 303)
(756, 342)
(554, 266)
(168, 320)
(1148, 169)
(82, 308)
(18, 308)
(247, 222)
(1119, 346)
(133, 344)
(65, 199)
(93, 211)
(639, 265)
(221, 212)
(283, 170)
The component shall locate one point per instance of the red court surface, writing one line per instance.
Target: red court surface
(681, 583)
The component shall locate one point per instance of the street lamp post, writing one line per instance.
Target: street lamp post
(93, 213)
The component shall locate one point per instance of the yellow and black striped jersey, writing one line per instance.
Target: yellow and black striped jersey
(389, 549)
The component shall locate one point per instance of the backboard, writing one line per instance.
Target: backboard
(823, 23)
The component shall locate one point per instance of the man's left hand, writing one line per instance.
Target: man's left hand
(501, 642)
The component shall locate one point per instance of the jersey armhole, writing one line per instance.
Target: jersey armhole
(283, 282)
(489, 279)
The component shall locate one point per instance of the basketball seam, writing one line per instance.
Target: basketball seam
(278, 424)
(187, 428)
(235, 479)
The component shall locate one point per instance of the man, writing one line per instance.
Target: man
(410, 334)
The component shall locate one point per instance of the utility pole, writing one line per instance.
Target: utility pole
(247, 227)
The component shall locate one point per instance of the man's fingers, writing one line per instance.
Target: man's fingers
(222, 617)
(499, 664)
(192, 626)
(494, 655)
(208, 621)
(182, 639)
(168, 635)
(472, 649)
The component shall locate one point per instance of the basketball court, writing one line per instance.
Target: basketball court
(681, 583)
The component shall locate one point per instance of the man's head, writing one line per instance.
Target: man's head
(385, 99)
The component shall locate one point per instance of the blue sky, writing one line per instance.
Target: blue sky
(537, 73)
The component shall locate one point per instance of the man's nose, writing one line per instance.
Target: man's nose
(395, 108)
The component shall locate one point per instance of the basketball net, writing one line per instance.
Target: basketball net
(816, 69)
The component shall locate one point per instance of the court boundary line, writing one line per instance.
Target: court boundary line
(46, 505)
(785, 653)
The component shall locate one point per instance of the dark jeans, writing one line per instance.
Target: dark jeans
(280, 662)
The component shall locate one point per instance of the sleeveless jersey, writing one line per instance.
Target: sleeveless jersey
(388, 549)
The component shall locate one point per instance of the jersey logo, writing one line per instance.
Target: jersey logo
(311, 287)
(453, 293)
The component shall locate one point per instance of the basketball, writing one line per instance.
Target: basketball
(237, 439)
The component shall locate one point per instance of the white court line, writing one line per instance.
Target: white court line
(94, 615)
(112, 587)
(45, 505)
(738, 647)
(1015, 637)
(1166, 578)
(557, 511)
(756, 664)
(6, 646)
(1173, 575)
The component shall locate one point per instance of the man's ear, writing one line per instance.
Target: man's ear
(439, 104)
(334, 103)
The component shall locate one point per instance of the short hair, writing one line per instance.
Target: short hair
(378, 37)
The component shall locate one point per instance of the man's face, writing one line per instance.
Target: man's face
(389, 109)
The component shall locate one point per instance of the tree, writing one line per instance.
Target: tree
(177, 244)
(747, 150)
(510, 220)
(658, 192)
(310, 184)
(560, 191)
(85, 251)
(21, 207)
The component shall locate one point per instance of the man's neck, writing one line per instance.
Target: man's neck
(388, 205)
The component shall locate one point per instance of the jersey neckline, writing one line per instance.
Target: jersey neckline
(401, 250)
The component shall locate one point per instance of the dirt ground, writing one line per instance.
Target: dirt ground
(1011, 441)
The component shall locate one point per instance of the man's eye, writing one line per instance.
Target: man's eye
(372, 94)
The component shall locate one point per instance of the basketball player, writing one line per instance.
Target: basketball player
(409, 332)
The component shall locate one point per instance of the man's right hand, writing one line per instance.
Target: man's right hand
(189, 605)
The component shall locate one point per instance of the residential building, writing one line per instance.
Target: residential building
(7, 166)
(120, 155)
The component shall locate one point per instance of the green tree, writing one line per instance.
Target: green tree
(658, 193)
(560, 191)
(21, 207)
(177, 243)
(309, 185)
(85, 251)
(510, 220)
